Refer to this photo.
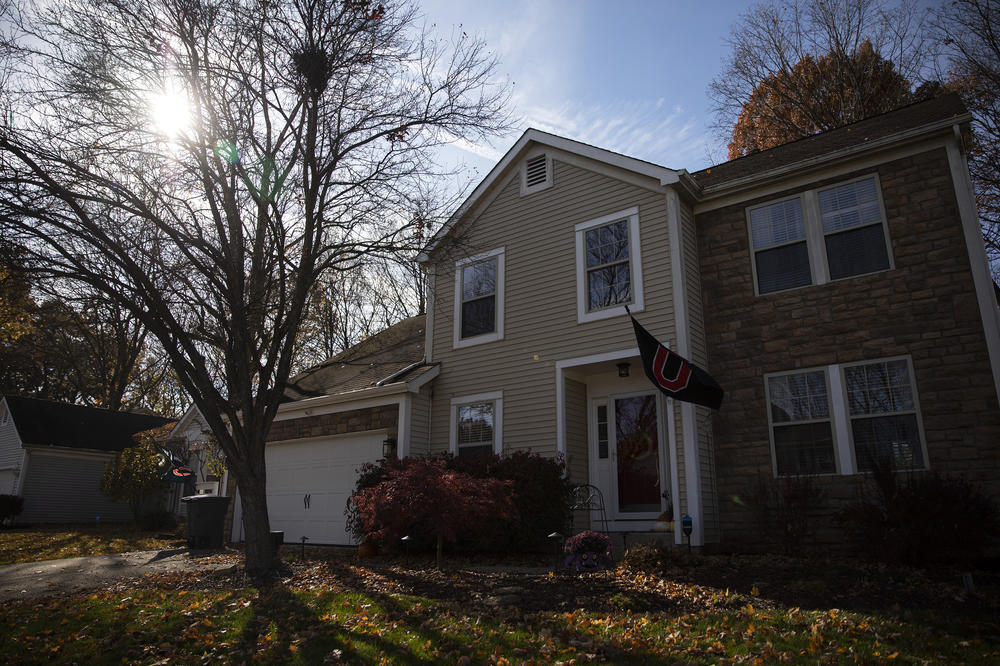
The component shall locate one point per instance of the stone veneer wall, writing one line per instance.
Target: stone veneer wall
(384, 417)
(925, 307)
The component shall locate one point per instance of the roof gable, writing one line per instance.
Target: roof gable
(511, 160)
(48, 423)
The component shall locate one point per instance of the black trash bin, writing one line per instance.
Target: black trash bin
(206, 517)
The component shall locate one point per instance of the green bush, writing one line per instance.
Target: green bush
(10, 506)
(921, 520)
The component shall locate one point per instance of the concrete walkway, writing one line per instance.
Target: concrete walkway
(56, 577)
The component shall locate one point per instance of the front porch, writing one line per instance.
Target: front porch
(630, 443)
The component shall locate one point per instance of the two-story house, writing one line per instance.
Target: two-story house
(836, 287)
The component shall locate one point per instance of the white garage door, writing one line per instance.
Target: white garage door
(308, 484)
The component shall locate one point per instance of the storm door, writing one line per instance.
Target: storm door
(637, 483)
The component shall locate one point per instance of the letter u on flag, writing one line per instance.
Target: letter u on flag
(673, 374)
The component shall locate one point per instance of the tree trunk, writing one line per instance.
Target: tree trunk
(259, 547)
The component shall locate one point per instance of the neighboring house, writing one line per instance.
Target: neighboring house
(193, 441)
(53, 455)
(836, 287)
(339, 415)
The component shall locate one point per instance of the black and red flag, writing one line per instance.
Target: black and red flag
(173, 468)
(673, 374)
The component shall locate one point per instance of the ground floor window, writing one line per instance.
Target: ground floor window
(800, 423)
(845, 418)
(476, 424)
(882, 408)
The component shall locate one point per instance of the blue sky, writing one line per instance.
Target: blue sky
(627, 75)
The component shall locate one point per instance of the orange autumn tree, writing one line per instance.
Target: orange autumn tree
(819, 94)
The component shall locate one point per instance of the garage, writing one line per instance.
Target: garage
(308, 483)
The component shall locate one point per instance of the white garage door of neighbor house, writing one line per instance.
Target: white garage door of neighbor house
(308, 484)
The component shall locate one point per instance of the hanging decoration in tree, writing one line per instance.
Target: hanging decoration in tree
(174, 469)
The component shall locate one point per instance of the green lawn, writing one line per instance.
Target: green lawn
(54, 542)
(383, 612)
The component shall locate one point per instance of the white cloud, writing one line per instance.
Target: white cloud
(541, 46)
(645, 129)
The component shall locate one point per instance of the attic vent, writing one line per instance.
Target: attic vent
(537, 174)
(535, 171)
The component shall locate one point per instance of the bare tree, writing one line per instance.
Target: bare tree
(967, 35)
(783, 41)
(204, 164)
(356, 304)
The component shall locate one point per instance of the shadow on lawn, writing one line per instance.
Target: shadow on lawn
(461, 624)
(831, 583)
(282, 628)
(352, 616)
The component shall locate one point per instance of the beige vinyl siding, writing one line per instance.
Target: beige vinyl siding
(681, 500)
(699, 355)
(576, 432)
(540, 319)
(420, 412)
(692, 283)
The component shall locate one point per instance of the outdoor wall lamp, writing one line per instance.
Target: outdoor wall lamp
(389, 447)
(623, 369)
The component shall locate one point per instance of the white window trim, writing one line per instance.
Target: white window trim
(496, 397)
(635, 267)
(819, 268)
(547, 183)
(840, 417)
(457, 340)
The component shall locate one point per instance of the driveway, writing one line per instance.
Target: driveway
(55, 577)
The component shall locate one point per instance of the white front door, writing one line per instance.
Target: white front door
(635, 444)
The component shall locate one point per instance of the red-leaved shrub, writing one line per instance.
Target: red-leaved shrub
(426, 493)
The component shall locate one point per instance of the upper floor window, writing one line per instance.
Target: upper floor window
(818, 236)
(781, 253)
(479, 284)
(608, 265)
(853, 229)
(845, 418)
(476, 424)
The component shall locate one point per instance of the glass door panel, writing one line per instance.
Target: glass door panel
(637, 449)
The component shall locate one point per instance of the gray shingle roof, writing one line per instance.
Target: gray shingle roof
(855, 134)
(48, 423)
(365, 364)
